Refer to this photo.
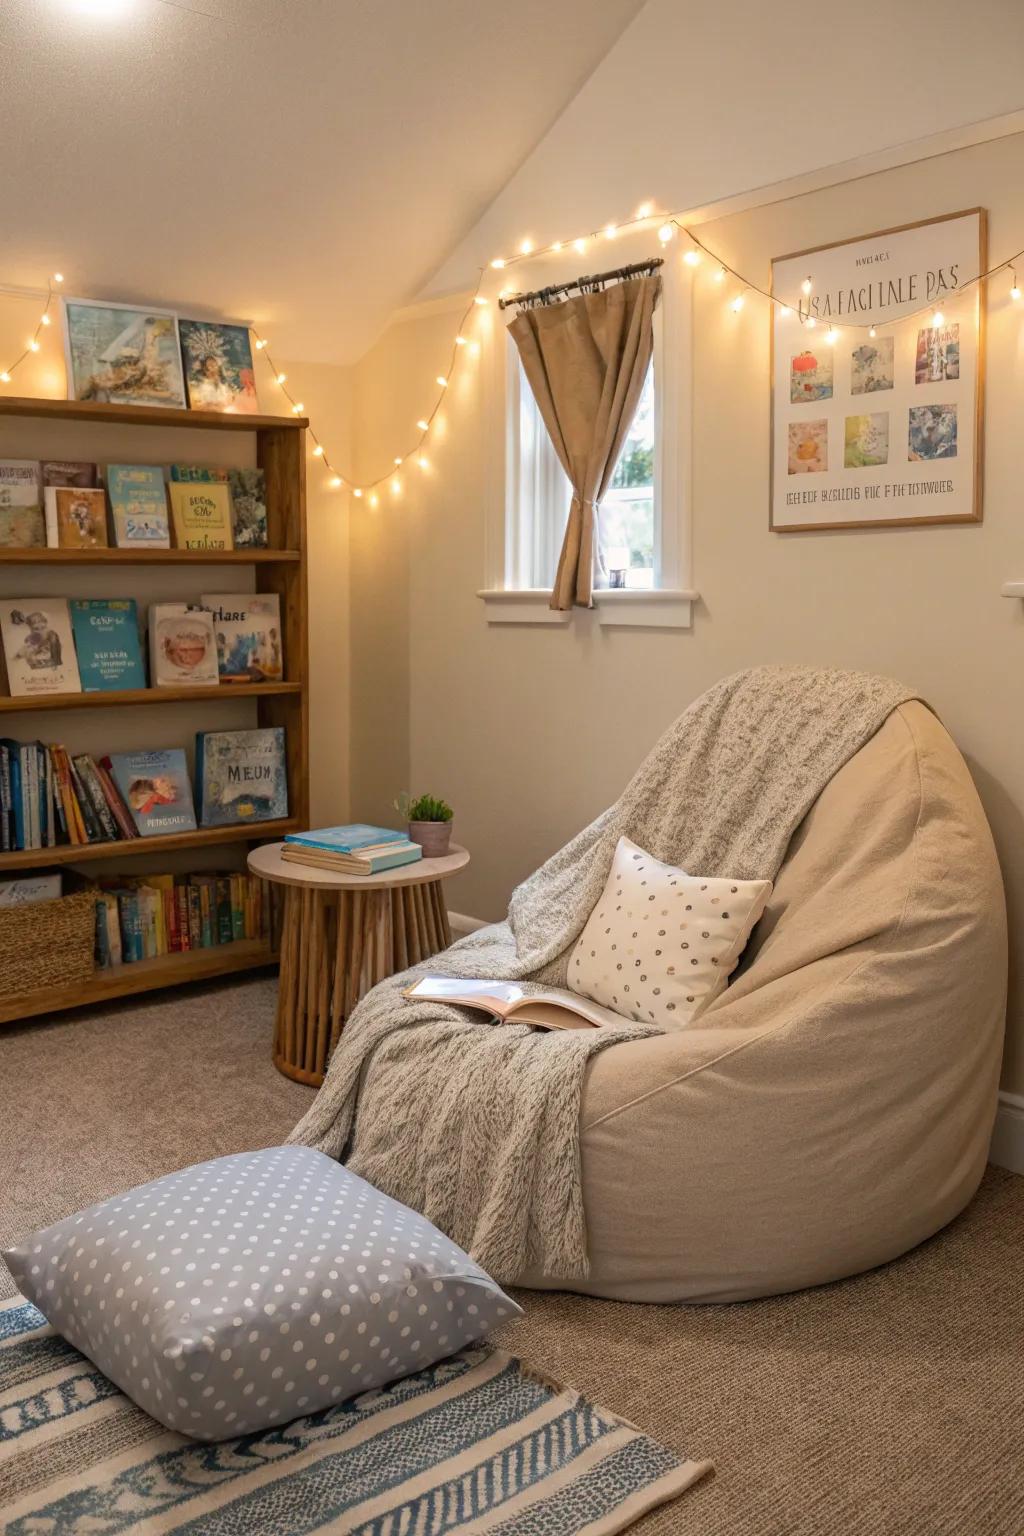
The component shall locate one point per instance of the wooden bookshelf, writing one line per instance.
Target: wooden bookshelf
(280, 568)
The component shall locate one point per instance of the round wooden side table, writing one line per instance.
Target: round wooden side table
(340, 935)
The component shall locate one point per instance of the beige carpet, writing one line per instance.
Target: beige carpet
(890, 1405)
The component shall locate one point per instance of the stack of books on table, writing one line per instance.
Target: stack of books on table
(353, 850)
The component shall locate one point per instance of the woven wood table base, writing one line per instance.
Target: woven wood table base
(335, 946)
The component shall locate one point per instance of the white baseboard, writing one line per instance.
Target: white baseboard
(460, 924)
(1007, 1149)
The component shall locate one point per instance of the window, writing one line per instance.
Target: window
(643, 516)
(540, 493)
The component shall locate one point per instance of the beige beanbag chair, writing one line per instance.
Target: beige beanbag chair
(834, 1107)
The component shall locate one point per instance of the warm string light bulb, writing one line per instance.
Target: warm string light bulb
(644, 211)
(374, 499)
(610, 231)
(58, 277)
(336, 482)
(691, 257)
(831, 335)
(5, 377)
(460, 341)
(357, 491)
(281, 378)
(498, 263)
(480, 300)
(525, 247)
(579, 245)
(805, 286)
(872, 333)
(423, 462)
(738, 303)
(318, 451)
(665, 233)
(396, 486)
(1014, 291)
(44, 319)
(785, 311)
(810, 322)
(33, 345)
(557, 246)
(720, 275)
(260, 344)
(423, 425)
(398, 458)
(442, 381)
(938, 319)
(298, 408)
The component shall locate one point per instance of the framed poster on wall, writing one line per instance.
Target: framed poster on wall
(877, 368)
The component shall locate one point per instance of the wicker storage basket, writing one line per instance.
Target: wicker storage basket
(47, 944)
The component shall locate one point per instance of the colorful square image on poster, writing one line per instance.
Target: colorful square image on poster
(810, 375)
(808, 447)
(866, 440)
(932, 433)
(122, 356)
(871, 366)
(938, 354)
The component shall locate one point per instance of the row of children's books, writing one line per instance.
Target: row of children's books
(62, 504)
(58, 645)
(143, 916)
(49, 798)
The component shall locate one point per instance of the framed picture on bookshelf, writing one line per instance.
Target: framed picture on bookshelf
(122, 355)
(877, 369)
(218, 367)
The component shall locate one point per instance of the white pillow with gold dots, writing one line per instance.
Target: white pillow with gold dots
(661, 944)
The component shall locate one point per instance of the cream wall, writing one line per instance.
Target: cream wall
(530, 732)
(325, 391)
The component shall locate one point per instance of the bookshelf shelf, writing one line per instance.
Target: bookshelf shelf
(280, 568)
(74, 853)
(150, 556)
(213, 693)
(143, 976)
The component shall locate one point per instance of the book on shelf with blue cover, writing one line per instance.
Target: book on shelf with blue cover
(106, 631)
(156, 788)
(357, 837)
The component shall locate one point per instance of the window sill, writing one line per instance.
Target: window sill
(613, 608)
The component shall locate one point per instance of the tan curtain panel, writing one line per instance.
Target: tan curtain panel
(586, 359)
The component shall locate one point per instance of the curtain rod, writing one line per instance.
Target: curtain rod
(546, 295)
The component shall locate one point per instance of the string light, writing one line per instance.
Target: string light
(33, 345)
(318, 451)
(58, 277)
(665, 233)
(785, 311)
(831, 335)
(872, 332)
(556, 247)
(610, 231)
(374, 499)
(298, 408)
(44, 318)
(579, 245)
(498, 263)
(280, 378)
(1014, 291)
(424, 426)
(423, 462)
(720, 275)
(460, 341)
(336, 482)
(398, 458)
(526, 246)
(396, 487)
(260, 344)
(805, 286)
(738, 303)
(5, 377)
(938, 319)
(478, 298)
(810, 322)
(358, 491)
(644, 211)
(691, 257)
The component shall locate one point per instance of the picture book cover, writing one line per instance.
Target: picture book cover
(218, 367)
(182, 647)
(123, 355)
(202, 516)
(106, 631)
(138, 505)
(156, 789)
(76, 517)
(70, 472)
(248, 507)
(247, 626)
(199, 474)
(808, 447)
(21, 505)
(38, 646)
(938, 354)
(810, 375)
(932, 432)
(241, 776)
(866, 440)
(871, 366)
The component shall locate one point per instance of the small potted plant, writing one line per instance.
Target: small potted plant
(430, 823)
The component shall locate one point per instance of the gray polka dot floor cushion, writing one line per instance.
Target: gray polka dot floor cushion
(248, 1290)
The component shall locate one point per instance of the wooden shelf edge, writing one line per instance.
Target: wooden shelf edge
(143, 976)
(146, 415)
(117, 556)
(142, 847)
(103, 699)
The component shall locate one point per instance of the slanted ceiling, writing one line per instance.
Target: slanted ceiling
(304, 164)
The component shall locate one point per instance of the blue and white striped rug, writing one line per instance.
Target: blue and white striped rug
(477, 1445)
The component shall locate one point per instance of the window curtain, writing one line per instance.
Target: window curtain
(586, 359)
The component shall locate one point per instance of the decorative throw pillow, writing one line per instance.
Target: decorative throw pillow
(248, 1290)
(661, 944)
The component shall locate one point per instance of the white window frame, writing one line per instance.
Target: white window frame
(507, 597)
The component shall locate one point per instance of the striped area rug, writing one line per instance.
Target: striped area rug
(477, 1446)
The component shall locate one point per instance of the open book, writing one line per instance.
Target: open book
(504, 1000)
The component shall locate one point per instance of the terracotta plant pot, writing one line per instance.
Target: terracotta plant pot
(432, 836)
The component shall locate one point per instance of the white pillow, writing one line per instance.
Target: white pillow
(661, 944)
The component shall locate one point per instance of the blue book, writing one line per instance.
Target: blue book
(241, 776)
(106, 631)
(349, 839)
(138, 501)
(17, 803)
(156, 789)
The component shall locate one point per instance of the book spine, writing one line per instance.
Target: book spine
(122, 815)
(83, 766)
(238, 906)
(103, 960)
(17, 795)
(114, 931)
(93, 829)
(57, 800)
(6, 829)
(225, 929)
(29, 779)
(46, 838)
(72, 809)
(195, 917)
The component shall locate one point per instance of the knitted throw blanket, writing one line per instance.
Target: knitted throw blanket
(477, 1125)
